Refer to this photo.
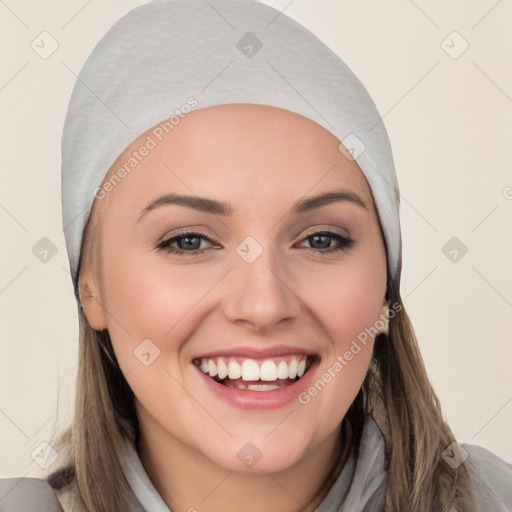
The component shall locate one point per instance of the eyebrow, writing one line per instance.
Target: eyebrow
(213, 207)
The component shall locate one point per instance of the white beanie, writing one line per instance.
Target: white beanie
(164, 58)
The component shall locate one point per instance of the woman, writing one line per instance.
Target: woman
(231, 216)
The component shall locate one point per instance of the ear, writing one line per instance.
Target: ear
(90, 299)
(385, 316)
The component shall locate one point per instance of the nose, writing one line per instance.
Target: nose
(260, 295)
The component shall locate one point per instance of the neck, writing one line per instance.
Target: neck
(187, 481)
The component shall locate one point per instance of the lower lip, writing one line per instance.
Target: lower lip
(259, 400)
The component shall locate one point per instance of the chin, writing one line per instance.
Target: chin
(256, 458)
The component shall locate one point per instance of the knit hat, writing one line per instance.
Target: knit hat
(165, 58)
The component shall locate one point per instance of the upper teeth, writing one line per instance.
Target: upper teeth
(267, 370)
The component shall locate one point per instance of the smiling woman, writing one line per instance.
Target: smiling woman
(316, 257)
(243, 342)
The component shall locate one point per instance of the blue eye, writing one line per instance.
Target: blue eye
(186, 240)
(344, 242)
(190, 243)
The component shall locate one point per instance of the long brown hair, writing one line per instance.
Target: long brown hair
(396, 393)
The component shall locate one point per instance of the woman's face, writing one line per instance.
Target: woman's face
(245, 275)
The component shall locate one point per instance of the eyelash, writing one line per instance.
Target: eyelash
(345, 243)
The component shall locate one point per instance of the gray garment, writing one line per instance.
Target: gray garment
(27, 495)
(359, 488)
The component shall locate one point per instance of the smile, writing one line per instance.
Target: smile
(265, 374)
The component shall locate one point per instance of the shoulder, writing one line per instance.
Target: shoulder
(491, 479)
(27, 495)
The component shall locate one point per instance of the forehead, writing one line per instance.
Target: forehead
(237, 150)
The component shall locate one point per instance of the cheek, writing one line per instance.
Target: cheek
(160, 303)
(347, 298)
(152, 299)
(347, 301)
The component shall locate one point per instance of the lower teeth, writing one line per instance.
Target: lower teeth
(255, 387)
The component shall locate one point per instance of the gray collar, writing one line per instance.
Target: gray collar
(358, 488)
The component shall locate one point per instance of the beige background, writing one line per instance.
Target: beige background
(450, 124)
